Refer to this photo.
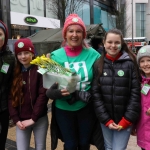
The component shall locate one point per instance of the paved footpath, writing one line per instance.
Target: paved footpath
(11, 138)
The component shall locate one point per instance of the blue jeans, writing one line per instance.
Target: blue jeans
(40, 132)
(76, 127)
(115, 140)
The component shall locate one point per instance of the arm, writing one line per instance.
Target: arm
(99, 106)
(41, 100)
(134, 106)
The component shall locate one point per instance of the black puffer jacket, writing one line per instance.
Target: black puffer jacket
(6, 57)
(116, 93)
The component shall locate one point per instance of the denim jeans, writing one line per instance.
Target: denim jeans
(115, 140)
(40, 132)
(76, 127)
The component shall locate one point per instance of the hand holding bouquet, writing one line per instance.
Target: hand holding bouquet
(53, 72)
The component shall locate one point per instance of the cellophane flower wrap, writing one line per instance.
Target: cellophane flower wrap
(53, 72)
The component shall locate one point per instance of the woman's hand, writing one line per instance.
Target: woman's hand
(64, 92)
(27, 123)
(20, 125)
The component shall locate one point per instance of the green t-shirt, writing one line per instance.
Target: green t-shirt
(83, 66)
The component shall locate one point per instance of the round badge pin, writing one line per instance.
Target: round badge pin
(120, 73)
(143, 50)
(20, 44)
(75, 19)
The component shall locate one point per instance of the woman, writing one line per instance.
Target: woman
(7, 61)
(73, 112)
(28, 101)
(116, 91)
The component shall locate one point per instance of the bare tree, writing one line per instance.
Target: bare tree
(119, 18)
(62, 8)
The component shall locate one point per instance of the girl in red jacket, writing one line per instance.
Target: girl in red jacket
(28, 102)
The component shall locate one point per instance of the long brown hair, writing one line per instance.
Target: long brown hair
(16, 88)
(123, 47)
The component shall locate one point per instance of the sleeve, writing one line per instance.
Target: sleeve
(40, 105)
(134, 106)
(13, 111)
(99, 106)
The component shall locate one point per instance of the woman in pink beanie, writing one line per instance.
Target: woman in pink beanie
(73, 113)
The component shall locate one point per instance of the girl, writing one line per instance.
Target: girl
(7, 62)
(115, 91)
(143, 126)
(28, 102)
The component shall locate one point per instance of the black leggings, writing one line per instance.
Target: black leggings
(142, 149)
(4, 122)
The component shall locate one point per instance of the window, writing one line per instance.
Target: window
(140, 19)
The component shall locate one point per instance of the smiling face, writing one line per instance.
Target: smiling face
(74, 36)
(25, 57)
(145, 65)
(2, 38)
(112, 44)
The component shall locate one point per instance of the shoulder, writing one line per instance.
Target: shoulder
(58, 54)
(91, 52)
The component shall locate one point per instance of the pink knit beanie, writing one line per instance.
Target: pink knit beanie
(73, 19)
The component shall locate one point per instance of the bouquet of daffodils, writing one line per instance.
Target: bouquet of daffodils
(53, 72)
(49, 65)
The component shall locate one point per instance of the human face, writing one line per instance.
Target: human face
(2, 38)
(112, 44)
(145, 65)
(25, 58)
(74, 35)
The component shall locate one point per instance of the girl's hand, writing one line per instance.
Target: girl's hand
(28, 122)
(20, 125)
(113, 126)
(148, 112)
(133, 132)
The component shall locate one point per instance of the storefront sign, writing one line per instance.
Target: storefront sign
(30, 20)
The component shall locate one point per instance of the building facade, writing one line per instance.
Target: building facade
(140, 16)
(26, 17)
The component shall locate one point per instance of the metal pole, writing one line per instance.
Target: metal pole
(132, 26)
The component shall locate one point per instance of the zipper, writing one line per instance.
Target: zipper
(30, 91)
(113, 88)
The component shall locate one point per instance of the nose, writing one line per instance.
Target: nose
(22, 55)
(74, 33)
(145, 63)
(113, 44)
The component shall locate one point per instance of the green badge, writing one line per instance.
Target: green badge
(20, 44)
(75, 19)
(120, 73)
(143, 50)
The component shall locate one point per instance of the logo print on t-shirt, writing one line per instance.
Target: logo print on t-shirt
(81, 69)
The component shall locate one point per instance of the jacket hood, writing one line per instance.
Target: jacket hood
(5, 29)
(124, 55)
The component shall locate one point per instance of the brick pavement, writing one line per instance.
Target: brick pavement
(11, 138)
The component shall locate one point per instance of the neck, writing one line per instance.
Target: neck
(27, 66)
(113, 58)
(73, 51)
